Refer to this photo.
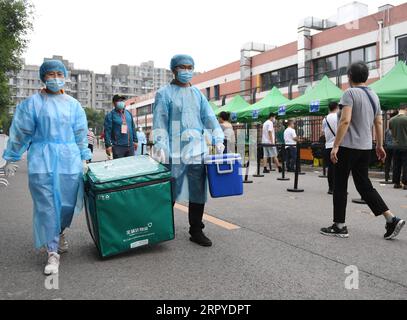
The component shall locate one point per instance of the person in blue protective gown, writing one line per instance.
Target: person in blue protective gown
(182, 119)
(142, 142)
(53, 126)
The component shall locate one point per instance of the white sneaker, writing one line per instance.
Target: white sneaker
(63, 244)
(52, 266)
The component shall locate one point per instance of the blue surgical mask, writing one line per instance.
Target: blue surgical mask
(185, 76)
(55, 84)
(120, 105)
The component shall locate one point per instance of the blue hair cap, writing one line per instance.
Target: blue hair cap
(181, 59)
(52, 65)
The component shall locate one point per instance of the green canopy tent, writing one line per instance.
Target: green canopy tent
(213, 106)
(314, 102)
(392, 88)
(262, 109)
(233, 107)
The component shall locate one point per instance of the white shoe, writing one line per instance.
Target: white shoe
(63, 244)
(52, 266)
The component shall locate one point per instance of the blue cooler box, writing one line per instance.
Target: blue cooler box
(225, 175)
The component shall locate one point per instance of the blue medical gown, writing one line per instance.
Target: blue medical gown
(141, 137)
(54, 130)
(182, 120)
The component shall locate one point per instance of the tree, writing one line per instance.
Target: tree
(15, 24)
(96, 119)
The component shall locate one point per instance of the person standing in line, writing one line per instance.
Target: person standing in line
(120, 131)
(398, 127)
(360, 112)
(91, 140)
(227, 127)
(183, 118)
(388, 147)
(269, 137)
(142, 141)
(330, 126)
(290, 140)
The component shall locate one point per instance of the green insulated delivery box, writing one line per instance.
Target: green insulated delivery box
(128, 204)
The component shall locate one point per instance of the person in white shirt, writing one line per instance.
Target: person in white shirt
(330, 126)
(269, 137)
(91, 139)
(291, 139)
(227, 127)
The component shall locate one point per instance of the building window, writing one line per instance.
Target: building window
(144, 111)
(217, 92)
(402, 47)
(357, 55)
(343, 62)
(279, 78)
(371, 56)
(338, 64)
(208, 93)
(325, 66)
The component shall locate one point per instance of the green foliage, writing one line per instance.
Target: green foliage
(15, 24)
(96, 119)
(5, 122)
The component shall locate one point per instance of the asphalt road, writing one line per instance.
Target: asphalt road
(275, 253)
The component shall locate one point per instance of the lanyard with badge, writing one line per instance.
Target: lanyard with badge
(124, 128)
(124, 124)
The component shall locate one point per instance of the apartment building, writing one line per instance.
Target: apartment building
(92, 89)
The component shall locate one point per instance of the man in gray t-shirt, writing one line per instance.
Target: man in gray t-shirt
(360, 112)
(359, 135)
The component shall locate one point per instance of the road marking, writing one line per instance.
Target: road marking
(211, 219)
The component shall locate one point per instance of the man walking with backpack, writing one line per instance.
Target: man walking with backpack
(360, 112)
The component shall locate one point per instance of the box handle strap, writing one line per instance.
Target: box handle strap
(226, 171)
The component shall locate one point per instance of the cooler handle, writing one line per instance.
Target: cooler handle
(227, 171)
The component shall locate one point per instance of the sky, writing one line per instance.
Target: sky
(95, 34)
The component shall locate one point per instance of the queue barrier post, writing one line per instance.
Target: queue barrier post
(259, 175)
(283, 155)
(297, 169)
(246, 177)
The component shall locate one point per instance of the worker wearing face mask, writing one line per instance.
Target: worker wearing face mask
(120, 132)
(182, 120)
(142, 141)
(53, 126)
